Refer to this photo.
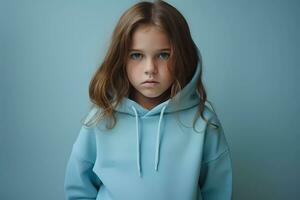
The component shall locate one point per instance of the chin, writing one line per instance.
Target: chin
(152, 95)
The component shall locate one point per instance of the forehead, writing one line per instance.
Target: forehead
(149, 37)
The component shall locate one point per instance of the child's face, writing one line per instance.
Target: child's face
(149, 60)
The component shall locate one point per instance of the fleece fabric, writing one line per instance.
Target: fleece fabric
(152, 154)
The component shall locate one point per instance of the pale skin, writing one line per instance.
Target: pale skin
(149, 59)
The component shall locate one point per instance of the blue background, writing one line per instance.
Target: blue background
(50, 49)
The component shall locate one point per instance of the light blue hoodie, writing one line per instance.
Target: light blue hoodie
(149, 155)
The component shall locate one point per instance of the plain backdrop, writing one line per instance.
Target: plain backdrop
(50, 49)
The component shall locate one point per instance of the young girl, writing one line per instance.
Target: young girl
(149, 134)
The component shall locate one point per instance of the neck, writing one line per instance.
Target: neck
(150, 103)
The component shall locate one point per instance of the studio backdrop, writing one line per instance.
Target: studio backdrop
(50, 49)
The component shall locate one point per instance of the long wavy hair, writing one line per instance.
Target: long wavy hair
(110, 83)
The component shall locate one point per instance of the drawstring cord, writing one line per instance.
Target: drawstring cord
(158, 139)
(157, 151)
(137, 141)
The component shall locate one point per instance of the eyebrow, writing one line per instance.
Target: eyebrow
(165, 49)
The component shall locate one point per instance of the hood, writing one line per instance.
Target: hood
(185, 99)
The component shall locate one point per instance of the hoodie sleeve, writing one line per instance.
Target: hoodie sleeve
(215, 179)
(80, 180)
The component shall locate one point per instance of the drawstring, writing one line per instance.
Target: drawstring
(137, 140)
(158, 139)
(157, 152)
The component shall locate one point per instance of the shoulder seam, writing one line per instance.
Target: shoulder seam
(82, 159)
(218, 157)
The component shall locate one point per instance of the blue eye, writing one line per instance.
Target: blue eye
(135, 56)
(164, 55)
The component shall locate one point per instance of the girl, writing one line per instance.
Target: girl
(149, 134)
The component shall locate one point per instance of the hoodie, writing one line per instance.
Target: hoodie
(152, 154)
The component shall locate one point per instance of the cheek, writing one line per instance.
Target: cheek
(168, 75)
(131, 73)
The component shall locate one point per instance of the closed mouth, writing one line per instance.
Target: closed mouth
(150, 82)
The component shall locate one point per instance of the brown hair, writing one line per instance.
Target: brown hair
(110, 84)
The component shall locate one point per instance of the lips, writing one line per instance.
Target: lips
(149, 81)
(150, 84)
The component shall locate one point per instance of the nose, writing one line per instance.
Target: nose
(150, 67)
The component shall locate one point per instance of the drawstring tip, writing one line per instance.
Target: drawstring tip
(156, 167)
